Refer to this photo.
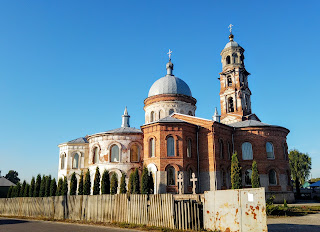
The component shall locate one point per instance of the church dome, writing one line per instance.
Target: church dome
(169, 84)
(231, 43)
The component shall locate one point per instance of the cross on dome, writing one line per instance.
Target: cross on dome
(230, 28)
(169, 53)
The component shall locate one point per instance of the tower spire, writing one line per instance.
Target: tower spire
(125, 118)
(216, 116)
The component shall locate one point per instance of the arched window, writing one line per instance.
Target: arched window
(151, 116)
(63, 161)
(115, 153)
(96, 155)
(170, 146)
(171, 176)
(171, 111)
(270, 152)
(229, 151)
(228, 60)
(190, 113)
(221, 149)
(272, 177)
(247, 153)
(285, 151)
(230, 105)
(75, 161)
(160, 114)
(229, 80)
(189, 148)
(152, 146)
(235, 58)
(134, 153)
(247, 176)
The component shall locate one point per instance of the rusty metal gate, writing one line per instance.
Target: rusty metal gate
(188, 215)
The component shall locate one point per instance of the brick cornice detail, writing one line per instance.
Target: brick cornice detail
(169, 97)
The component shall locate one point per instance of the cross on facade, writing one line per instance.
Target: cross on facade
(230, 28)
(193, 180)
(180, 183)
(169, 53)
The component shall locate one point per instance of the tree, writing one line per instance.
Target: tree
(64, 190)
(73, 184)
(17, 189)
(136, 182)
(26, 190)
(151, 184)
(80, 189)
(87, 184)
(32, 187)
(300, 167)
(123, 187)
(43, 186)
(37, 186)
(53, 187)
(12, 176)
(235, 172)
(47, 187)
(255, 175)
(105, 183)
(145, 181)
(10, 192)
(114, 184)
(96, 183)
(22, 188)
(130, 184)
(59, 189)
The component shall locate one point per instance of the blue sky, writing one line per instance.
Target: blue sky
(68, 68)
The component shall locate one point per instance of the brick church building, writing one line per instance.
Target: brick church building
(173, 140)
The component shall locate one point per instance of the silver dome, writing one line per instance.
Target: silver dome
(232, 44)
(169, 84)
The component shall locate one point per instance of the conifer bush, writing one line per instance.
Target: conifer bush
(73, 184)
(87, 184)
(136, 182)
(123, 187)
(151, 183)
(96, 183)
(114, 184)
(32, 187)
(42, 186)
(9, 192)
(37, 186)
(255, 175)
(47, 187)
(145, 181)
(53, 187)
(22, 188)
(80, 188)
(235, 172)
(64, 187)
(105, 183)
(17, 189)
(130, 183)
(26, 190)
(59, 188)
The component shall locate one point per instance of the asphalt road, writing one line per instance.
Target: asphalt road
(21, 225)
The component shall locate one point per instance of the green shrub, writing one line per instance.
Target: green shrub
(235, 172)
(136, 182)
(87, 184)
(47, 186)
(145, 181)
(53, 187)
(105, 183)
(96, 183)
(43, 186)
(123, 187)
(80, 189)
(255, 175)
(32, 186)
(37, 186)
(114, 184)
(73, 184)
(130, 184)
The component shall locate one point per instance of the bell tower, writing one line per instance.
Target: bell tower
(235, 95)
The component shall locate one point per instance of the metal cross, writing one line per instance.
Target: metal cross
(230, 27)
(169, 53)
(180, 183)
(193, 180)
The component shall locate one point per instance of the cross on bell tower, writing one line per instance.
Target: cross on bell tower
(235, 95)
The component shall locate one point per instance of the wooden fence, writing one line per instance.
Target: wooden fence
(154, 210)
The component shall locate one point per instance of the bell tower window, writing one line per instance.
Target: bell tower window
(228, 60)
(229, 80)
(230, 105)
(235, 58)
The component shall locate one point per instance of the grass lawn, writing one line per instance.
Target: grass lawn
(280, 210)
